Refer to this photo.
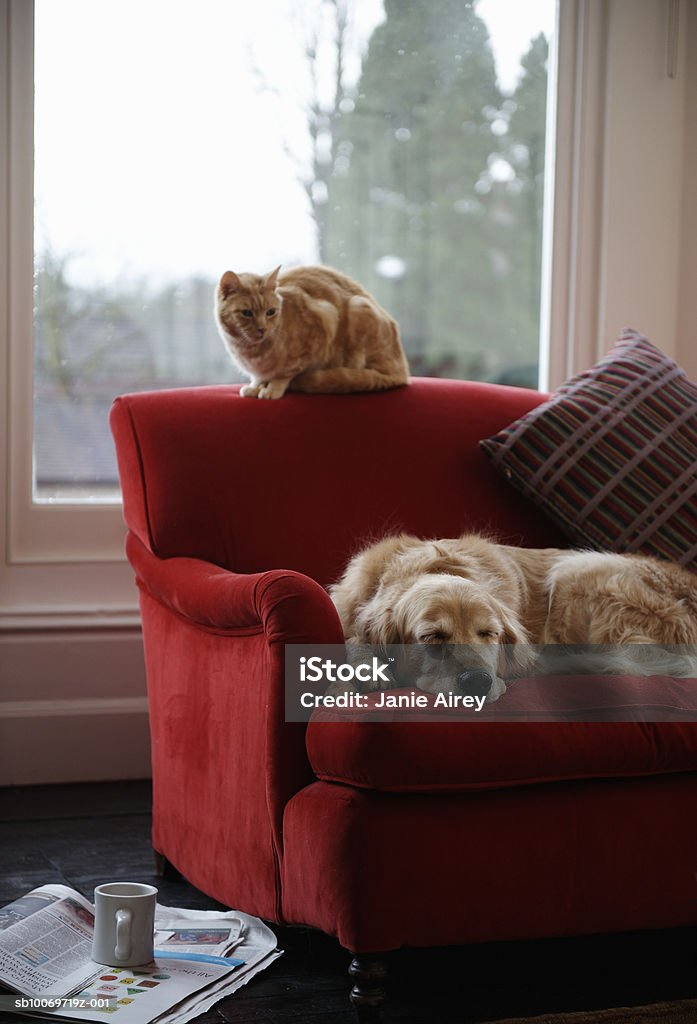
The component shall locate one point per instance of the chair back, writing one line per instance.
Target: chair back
(303, 482)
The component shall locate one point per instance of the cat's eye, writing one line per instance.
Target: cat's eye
(248, 313)
(270, 312)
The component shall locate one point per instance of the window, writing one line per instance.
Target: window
(401, 143)
(62, 561)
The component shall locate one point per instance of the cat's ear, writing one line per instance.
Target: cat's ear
(229, 283)
(271, 279)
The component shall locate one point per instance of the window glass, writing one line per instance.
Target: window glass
(400, 141)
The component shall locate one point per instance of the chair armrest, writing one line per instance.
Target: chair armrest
(225, 761)
(288, 606)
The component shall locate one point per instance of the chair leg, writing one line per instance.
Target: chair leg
(163, 868)
(368, 972)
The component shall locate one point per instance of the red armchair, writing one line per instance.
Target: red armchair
(239, 513)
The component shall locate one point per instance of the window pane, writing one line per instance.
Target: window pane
(401, 142)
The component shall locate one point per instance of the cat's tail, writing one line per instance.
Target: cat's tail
(340, 380)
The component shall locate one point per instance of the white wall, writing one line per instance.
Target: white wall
(648, 130)
(625, 216)
(686, 351)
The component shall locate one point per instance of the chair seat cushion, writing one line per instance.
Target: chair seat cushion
(591, 727)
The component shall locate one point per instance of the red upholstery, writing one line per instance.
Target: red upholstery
(224, 760)
(239, 512)
(382, 871)
(247, 484)
(459, 751)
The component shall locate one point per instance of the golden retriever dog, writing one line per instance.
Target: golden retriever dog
(479, 606)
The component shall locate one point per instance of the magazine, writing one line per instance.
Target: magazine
(45, 956)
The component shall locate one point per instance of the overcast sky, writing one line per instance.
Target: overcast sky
(158, 156)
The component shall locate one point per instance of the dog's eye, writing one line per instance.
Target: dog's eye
(486, 634)
(437, 636)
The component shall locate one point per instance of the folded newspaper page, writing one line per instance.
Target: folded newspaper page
(45, 948)
(46, 942)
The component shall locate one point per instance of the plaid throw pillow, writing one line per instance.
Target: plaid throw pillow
(612, 456)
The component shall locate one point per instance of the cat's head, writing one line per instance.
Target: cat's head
(249, 305)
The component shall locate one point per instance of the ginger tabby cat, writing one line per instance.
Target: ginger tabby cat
(309, 329)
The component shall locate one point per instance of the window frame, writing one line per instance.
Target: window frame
(63, 563)
(62, 566)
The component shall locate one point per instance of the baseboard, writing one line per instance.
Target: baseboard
(73, 741)
(74, 708)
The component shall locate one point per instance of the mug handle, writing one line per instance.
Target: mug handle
(123, 934)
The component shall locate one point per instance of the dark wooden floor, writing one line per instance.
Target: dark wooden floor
(83, 835)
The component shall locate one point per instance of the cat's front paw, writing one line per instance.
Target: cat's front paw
(252, 390)
(273, 389)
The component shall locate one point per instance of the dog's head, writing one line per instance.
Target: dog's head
(446, 610)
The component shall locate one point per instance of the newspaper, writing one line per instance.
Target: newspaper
(45, 950)
(179, 935)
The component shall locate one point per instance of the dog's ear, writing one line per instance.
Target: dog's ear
(516, 656)
(361, 581)
(375, 624)
(513, 631)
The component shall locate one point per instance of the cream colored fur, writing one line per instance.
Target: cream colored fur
(483, 597)
(309, 329)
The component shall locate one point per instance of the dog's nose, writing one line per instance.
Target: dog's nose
(475, 682)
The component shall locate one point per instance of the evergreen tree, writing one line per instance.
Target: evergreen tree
(435, 191)
(407, 213)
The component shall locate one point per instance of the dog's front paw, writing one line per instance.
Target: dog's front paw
(458, 690)
(430, 685)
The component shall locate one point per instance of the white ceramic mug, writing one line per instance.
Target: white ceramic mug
(124, 924)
